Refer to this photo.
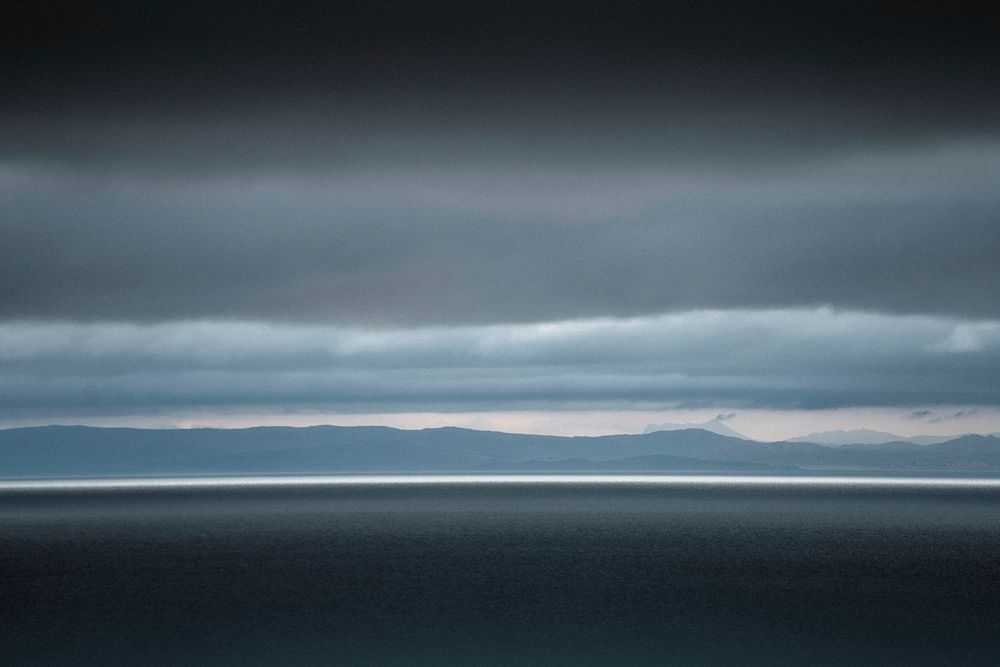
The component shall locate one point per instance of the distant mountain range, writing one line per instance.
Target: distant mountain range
(57, 451)
(716, 425)
(859, 436)
(864, 436)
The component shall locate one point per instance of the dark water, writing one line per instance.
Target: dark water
(501, 573)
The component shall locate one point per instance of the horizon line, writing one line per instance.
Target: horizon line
(100, 484)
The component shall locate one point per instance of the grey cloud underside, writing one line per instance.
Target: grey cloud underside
(911, 230)
(699, 115)
(422, 163)
(776, 359)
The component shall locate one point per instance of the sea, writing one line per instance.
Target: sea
(500, 570)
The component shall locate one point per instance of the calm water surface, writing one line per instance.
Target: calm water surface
(509, 570)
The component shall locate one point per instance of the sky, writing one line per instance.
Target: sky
(569, 218)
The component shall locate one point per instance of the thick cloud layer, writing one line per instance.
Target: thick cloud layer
(772, 359)
(910, 231)
(381, 204)
(442, 162)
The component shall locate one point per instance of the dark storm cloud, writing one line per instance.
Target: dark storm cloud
(182, 86)
(357, 41)
(489, 162)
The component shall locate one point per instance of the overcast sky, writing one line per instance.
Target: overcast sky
(472, 210)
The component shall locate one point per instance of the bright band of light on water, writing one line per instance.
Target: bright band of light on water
(493, 480)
